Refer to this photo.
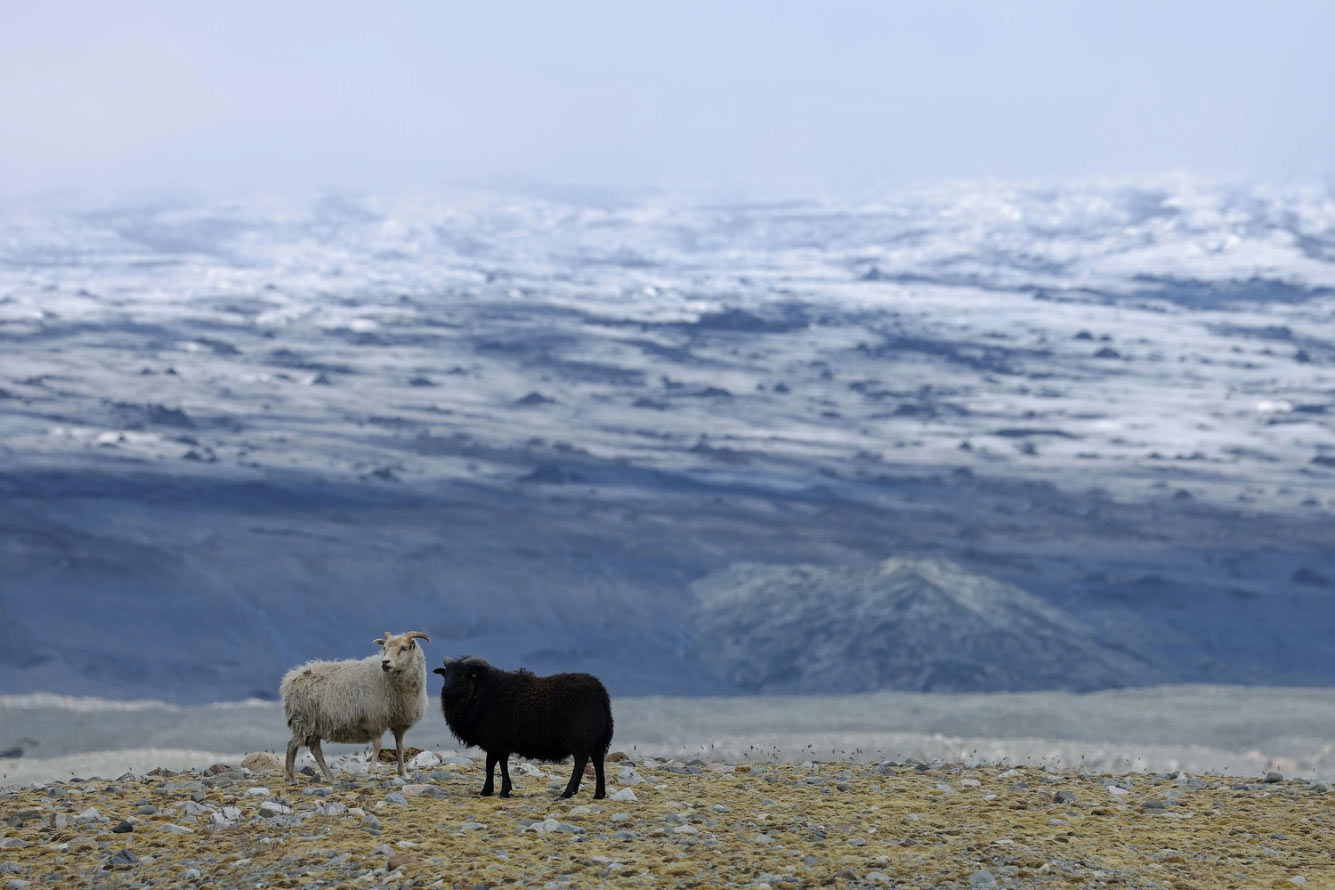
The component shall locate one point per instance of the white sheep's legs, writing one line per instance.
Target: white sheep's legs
(319, 757)
(293, 746)
(398, 745)
(375, 754)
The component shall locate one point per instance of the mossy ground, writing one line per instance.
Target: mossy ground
(693, 825)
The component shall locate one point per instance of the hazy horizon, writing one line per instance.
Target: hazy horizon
(750, 99)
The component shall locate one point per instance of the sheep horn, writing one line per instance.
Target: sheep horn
(416, 633)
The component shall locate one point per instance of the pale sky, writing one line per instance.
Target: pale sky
(765, 98)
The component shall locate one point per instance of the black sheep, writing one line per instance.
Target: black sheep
(515, 712)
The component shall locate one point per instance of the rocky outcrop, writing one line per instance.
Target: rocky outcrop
(909, 624)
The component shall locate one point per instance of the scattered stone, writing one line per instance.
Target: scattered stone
(1273, 777)
(624, 794)
(370, 824)
(259, 791)
(629, 776)
(227, 817)
(173, 828)
(123, 827)
(396, 798)
(763, 838)
(424, 760)
(89, 815)
(1064, 797)
(545, 826)
(399, 860)
(982, 878)
(123, 859)
(271, 808)
(262, 762)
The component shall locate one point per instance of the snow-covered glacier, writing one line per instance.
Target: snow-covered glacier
(237, 434)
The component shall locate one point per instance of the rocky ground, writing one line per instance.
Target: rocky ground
(671, 823)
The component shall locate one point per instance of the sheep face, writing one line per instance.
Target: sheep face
(461, 677)
(399, 653)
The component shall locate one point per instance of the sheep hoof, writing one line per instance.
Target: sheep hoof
(505, 794)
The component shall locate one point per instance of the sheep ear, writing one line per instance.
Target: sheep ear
(379, 642)
(440, 671)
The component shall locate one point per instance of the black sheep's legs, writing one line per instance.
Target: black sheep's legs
(581, 761)
(600, 790)
(488, 788)
(505, 775)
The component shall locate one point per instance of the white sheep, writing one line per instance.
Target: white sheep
(356, 700)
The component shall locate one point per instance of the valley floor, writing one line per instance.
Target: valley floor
(676, 824)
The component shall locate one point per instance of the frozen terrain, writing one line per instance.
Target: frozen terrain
(1230, 730)
(234, 436)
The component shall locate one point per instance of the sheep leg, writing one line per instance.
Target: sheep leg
(314, 742)
(398, 745)
(293, 746)
(600, 790)
(505, 774)
(488, 788)
(375, 755)
(581, 761)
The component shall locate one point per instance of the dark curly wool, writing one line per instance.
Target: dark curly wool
(516, 712)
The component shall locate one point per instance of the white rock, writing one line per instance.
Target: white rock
(331, 808)
(89, 815)
(628, 776)
(354, 764)
(624, 794)
(177, 829)
(423, 790)
(259, 791)
(262, 762)
(227, 817)
(545, 826)
(763, 838)
(685, 829)
(273, 808)
(425, 759)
